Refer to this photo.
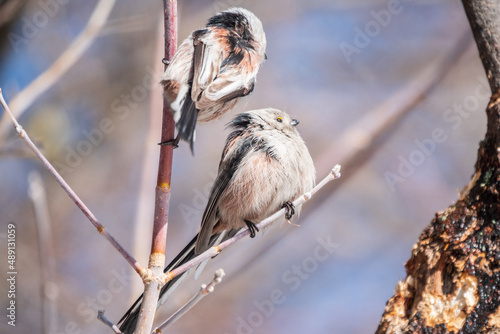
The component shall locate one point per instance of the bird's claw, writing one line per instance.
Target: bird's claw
(172, 142)
(252, 227)
(289, 210)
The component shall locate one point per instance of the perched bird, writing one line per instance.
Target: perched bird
(264, 166)
(212, 68)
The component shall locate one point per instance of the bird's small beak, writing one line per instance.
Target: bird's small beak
(265, 56)
(294, 122)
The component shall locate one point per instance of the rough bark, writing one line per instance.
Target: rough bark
(453, 275)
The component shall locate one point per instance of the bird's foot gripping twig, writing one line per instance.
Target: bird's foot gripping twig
(252, 227)
(290, 209)
(173, 142)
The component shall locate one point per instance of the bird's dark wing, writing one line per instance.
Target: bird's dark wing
(207, 61)
(217, 79)
(200, 68)
(186, 125)
(234, 152)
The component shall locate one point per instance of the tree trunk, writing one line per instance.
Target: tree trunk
(453, 275)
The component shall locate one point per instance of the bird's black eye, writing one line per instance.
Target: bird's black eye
(279, 119)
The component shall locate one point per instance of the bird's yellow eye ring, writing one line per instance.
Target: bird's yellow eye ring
(279, 119)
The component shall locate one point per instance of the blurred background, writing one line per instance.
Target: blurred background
(330, 65)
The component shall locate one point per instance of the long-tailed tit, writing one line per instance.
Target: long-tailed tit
(264, 166)
(212, 68)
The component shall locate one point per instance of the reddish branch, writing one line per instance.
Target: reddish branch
(453, 275)
(166, 151)
(162, 192)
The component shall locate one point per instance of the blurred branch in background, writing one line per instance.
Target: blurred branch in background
(453, 277)
(15, 149)
(49, 290)
(149, 161)
(9, 10)
(358, 143)
(53, 74)
(74, 197)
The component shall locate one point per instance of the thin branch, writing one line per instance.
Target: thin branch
(162, 193)
(104, 320)
(204, 291)
(53, 74)
(211, 252)
(48, 287)
(79, 203)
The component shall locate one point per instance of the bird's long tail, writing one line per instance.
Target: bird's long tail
(186, 125)
(129, 320)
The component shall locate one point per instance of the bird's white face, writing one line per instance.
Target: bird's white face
(274, 119)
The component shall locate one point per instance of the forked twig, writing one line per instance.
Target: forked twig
(205, 289)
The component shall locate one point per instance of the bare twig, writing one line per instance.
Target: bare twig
(104, 320)
(79, 203)
(47, 79)
(48, 287)
(162, 193)
(211, 252)
(204, 291)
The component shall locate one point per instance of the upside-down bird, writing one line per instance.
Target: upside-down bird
(212, 68)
